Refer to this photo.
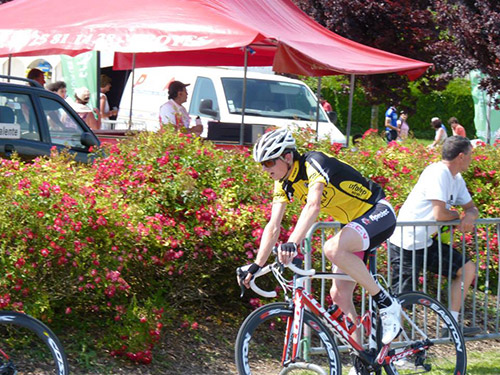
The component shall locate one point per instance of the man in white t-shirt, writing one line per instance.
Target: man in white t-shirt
(174, 113)
(439, 187)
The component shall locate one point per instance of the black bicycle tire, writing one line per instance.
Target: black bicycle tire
(417, 298)
(45, 334)
(281, 309)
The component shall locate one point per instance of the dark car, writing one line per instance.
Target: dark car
(34, 120)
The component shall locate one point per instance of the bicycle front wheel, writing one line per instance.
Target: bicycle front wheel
(29, 347)
(259, 345)
(433, 337)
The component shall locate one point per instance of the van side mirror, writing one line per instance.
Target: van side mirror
(332, 115)
(88, 139)
(206, 107)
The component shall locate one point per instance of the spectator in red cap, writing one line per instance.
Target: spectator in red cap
(174, 113)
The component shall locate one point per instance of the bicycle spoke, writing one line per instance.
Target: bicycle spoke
(261, 340)
(428, 327)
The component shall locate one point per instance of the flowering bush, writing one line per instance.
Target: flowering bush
(156, 226)
(149, 236)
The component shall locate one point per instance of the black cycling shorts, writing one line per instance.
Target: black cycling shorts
(409, 269)
(376, 225)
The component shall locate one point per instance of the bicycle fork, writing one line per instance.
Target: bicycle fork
(294, 329)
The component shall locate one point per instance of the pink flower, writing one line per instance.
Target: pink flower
(209, 194)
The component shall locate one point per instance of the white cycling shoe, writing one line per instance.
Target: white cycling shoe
(391, 322)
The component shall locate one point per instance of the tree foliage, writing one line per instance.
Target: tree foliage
(455, 35)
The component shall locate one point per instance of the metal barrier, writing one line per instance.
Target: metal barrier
(481, 307)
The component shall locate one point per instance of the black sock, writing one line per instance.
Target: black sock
(382, 299)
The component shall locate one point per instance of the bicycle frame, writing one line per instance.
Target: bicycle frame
(301, 299)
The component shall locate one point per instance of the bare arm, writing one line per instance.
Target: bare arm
(388, 124)
(269, 238)
(102, 106)
(468, 217)
(470, 214)
(438, 136)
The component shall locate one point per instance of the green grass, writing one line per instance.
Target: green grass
(483, 363)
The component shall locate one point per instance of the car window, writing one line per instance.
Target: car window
(269, 98)
(16, 110)
(63, 128)
(203, 96)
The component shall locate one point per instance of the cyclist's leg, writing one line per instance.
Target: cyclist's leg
(341, 249)
(342, 294)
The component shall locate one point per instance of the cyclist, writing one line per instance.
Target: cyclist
(324, 183)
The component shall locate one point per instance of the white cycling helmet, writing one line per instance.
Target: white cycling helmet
(272, 145)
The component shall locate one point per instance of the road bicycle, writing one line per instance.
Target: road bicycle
(29, 347)
(299, 336)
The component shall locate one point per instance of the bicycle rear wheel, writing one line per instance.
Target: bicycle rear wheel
(259, 345)
(29, 347)
(429, 326)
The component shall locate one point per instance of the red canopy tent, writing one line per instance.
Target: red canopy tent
(195, 32)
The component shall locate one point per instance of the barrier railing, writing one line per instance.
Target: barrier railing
(482, 303)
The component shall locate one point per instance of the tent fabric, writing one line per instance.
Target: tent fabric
(192, 32)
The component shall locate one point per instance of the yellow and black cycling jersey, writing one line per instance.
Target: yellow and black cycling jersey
(347, 194)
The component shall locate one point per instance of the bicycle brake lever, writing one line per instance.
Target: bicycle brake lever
(241, 276)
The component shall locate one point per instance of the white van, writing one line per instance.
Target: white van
(215, 95)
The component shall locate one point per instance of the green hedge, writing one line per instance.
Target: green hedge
(454, 101)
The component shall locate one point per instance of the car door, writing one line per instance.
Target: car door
(33, 121)
(20, 126)
(65, 128)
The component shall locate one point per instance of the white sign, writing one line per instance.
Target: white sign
(10, 131)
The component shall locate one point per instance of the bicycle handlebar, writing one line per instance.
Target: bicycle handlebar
(265, 270)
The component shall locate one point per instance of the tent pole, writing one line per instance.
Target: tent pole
(131, 92)
(488, 120)
(9, 65)
(349, 113)
(244, 97)
(98, 80)
(318, 96)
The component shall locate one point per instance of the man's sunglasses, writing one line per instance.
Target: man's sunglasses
(270, 163)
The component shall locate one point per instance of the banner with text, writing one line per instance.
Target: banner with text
(486, 118)
(81, 71)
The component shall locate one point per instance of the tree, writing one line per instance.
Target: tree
(456, 36)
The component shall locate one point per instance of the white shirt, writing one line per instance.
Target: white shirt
(174, 114)
(435, 183)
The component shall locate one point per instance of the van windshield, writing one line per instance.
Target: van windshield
(271, 99)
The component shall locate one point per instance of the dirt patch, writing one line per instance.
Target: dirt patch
(208, 350)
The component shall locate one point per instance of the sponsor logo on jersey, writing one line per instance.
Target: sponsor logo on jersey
(356, 189)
